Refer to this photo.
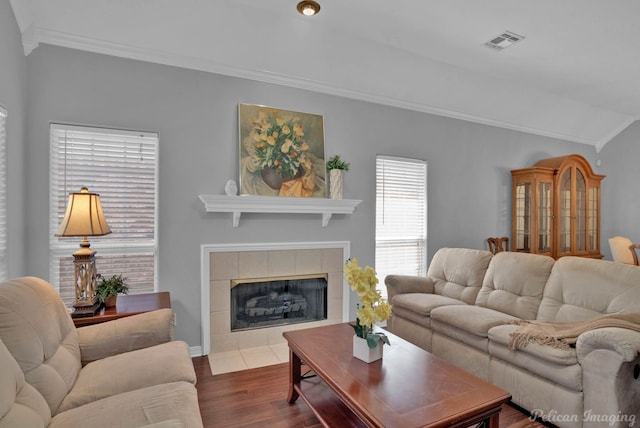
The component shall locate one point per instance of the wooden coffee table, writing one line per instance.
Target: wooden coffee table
(409, 387)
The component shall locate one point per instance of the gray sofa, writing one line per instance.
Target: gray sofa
(123, 373)
(461, 311)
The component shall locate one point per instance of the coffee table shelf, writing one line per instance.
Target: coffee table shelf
(326, 406)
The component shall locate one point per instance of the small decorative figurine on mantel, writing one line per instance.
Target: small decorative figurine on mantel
(231, 188)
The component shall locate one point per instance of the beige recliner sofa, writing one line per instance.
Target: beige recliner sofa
(123, 373)
(463, 309)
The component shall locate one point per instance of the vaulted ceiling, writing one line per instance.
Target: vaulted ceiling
(574, 76)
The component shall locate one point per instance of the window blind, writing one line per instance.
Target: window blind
(121, 166)
(401, 217)
(4, 256)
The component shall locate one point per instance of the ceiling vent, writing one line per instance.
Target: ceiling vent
(504, 40)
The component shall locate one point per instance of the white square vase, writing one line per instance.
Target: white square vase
(362, 351)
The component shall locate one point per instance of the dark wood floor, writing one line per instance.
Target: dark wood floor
(257, 398)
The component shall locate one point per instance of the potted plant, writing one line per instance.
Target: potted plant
(108, 289)
(336, 167)
(367, 343)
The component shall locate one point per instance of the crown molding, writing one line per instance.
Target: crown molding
(161, 57)
(601, 143)
(26, 24)
(23, 14)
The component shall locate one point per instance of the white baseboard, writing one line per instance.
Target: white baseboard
(195, 351)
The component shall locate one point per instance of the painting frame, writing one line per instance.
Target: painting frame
(281, 152)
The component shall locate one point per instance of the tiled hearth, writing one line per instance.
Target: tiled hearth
(232, 351)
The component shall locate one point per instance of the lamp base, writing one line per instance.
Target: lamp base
(85, 301)
(85, 311)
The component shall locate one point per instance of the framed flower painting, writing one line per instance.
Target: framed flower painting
(281, 152)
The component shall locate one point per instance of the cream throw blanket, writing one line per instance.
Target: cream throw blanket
(562, 335)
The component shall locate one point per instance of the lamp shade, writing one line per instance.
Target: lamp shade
(84, 216)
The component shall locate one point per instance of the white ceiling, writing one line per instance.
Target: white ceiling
(575, 76)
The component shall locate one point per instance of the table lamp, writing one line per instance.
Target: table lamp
(84, 217)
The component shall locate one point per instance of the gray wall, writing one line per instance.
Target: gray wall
(195, 114)
(13, 66)
(621, 189)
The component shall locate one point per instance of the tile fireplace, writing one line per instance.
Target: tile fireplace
(278, 269)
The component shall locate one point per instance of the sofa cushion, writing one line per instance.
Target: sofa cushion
(468, 324)
(21, 405)
(165, 363)
(514, 283)
(166, 402)
(473, 319)
(581, 288)
(558, 365)
(126, 334)
(458, 272)
(502, 334)
(417, 306)
(39, 333)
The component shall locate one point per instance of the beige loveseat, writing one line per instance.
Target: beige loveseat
(123, 373)
(461, 311)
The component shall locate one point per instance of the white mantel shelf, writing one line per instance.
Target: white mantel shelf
(269, 204)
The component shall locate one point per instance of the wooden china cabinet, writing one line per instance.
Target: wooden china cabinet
(556, 208)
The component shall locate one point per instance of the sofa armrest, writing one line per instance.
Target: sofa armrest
(403, 284)
(610, 358)
(125, 334)
(623, 341)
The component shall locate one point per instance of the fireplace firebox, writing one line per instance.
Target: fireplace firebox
(265, 302)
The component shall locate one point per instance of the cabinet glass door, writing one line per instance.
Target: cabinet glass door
(581, 212)
(544, 217)
(565, 213)
(523, 216)
(592, 225)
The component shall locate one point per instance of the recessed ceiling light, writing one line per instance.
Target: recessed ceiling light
(504, 40)
(308, 7)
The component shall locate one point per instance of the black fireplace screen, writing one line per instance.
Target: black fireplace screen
(265, 302)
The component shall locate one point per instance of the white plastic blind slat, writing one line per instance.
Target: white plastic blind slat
(401, 217)
(4, 257)
(122, 167)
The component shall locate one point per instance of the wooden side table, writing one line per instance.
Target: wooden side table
(127, 305)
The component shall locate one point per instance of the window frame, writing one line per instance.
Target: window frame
(422, 268)
(108, 245)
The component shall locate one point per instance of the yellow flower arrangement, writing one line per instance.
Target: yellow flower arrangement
(373, 307)
(279, 142)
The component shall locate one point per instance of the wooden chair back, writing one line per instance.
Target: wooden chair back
(497, 245)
